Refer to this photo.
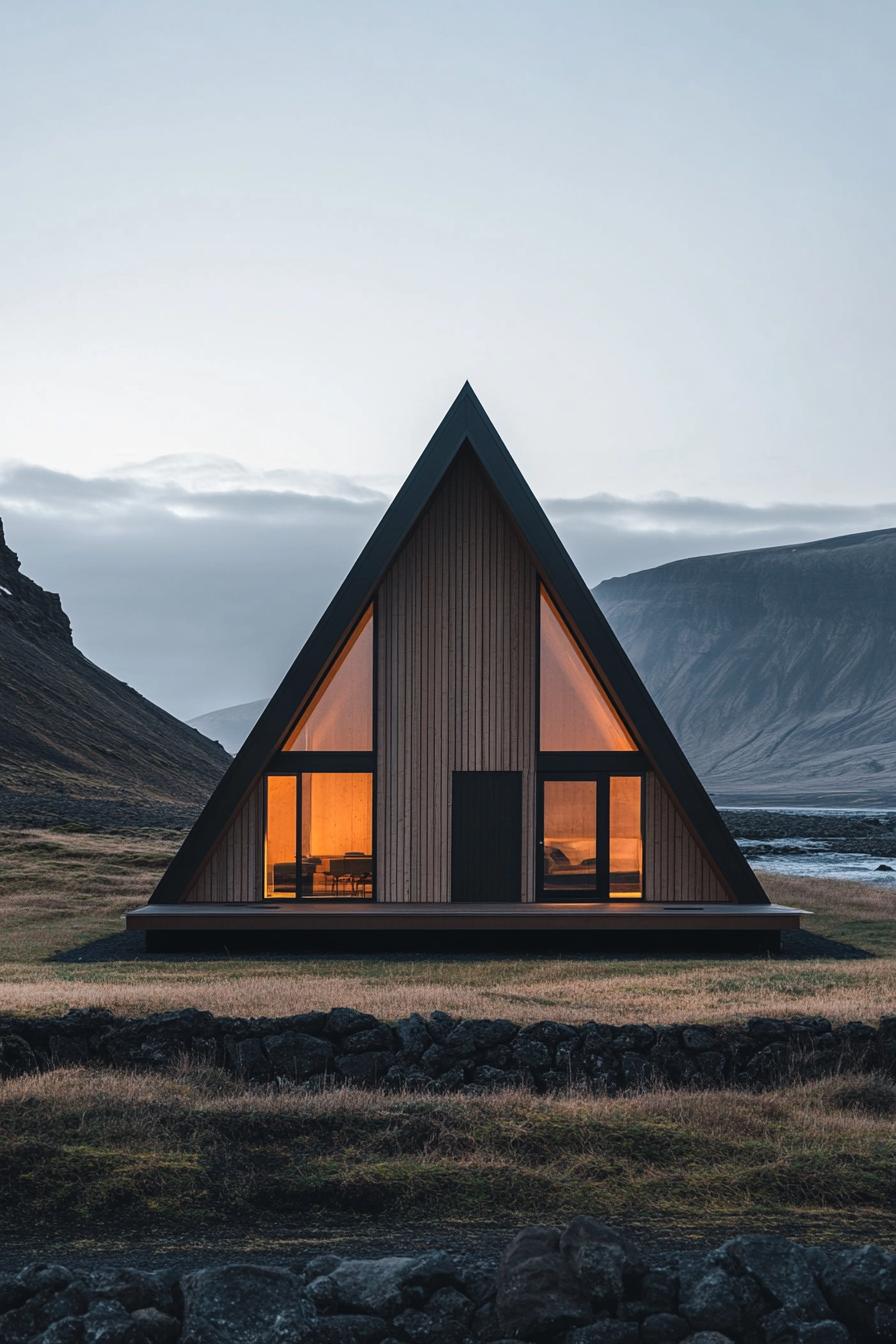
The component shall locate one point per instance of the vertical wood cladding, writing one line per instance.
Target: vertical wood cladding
(456, 690)
(233, 870)
(456, 660)
(678, 871)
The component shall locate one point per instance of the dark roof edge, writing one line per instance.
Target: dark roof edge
(333, 627)
(465, 421)
(567, 584)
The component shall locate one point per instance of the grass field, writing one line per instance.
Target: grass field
(63, 891)
(103, 1153)
(92, 1158)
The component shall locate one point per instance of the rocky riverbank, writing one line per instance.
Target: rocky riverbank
(768, 835)
(584, 1284)
(447, 1054)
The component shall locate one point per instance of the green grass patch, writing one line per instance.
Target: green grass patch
(82, 1150)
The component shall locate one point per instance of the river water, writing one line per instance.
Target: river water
(853, 844)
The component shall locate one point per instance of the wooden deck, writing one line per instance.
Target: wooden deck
(333, 916)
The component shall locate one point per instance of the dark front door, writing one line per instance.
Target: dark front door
(486, 835)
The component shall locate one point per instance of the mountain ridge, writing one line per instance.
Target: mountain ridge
(773, 667)
(77, 745)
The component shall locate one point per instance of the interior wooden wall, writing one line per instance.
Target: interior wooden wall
(457, 624)
(677, 870)
(234, 869)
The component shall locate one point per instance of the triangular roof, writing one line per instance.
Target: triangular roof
(465, 425)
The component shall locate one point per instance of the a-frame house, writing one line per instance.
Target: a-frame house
(462, 743)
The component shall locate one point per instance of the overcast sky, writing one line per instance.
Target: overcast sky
(249, 253)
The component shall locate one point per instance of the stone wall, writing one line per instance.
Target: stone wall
(442, 1053)
(586, 1284)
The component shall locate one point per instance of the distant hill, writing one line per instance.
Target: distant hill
(76, 745)
(775, 668)
(229, 726)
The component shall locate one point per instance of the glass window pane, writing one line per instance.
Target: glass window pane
(575, 712)
(626, 860)
(280, 837)
(337, 834)
(570, 836)
(340, 717)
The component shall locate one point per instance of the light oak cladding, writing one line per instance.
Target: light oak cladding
(456, 689)
(677, 870)
(234, 871)
(457, 627)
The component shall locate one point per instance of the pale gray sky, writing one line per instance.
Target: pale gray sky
(656, 237)
(198, 582)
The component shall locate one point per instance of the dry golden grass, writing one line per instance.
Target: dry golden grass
(193, 1089)
(89, 1154)
(115, 1149)
(525, 990)
(59, 891)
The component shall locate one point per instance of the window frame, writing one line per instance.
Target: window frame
(543, 591)
(370, 606)
(583, 765)
(601, 777)
(600, 840)
(278, 895)
(299, 763)
(322, 763)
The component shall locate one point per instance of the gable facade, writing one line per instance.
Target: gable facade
(463, 688)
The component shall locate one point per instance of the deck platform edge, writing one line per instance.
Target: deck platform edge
(317, 917)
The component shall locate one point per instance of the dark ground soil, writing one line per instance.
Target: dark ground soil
(371, 1241)
(102, 816)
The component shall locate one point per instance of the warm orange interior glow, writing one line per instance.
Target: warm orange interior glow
(340, 717)
(570, 836)
(625, 836)
(280, 837)
(575, 712)
(337, 834)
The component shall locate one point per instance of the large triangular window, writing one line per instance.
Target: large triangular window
(340, 717)
(575, 713)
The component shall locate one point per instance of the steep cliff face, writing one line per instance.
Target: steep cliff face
(775, 668)
(76, 744)
(25, 606)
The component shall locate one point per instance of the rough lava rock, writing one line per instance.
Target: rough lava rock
(16, 1056)
(473, 1054)
(382, 1287)
(294, 1054)
(241, 1304)
(782, 1271)
(584, 1284)
(537, 1294)
(860, 1284)
(601, 1260)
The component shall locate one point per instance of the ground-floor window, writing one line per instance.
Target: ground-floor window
(591, 837)
(280, 836)
(331, 813)
(337, 834)
(570, 837)
(626, 842)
